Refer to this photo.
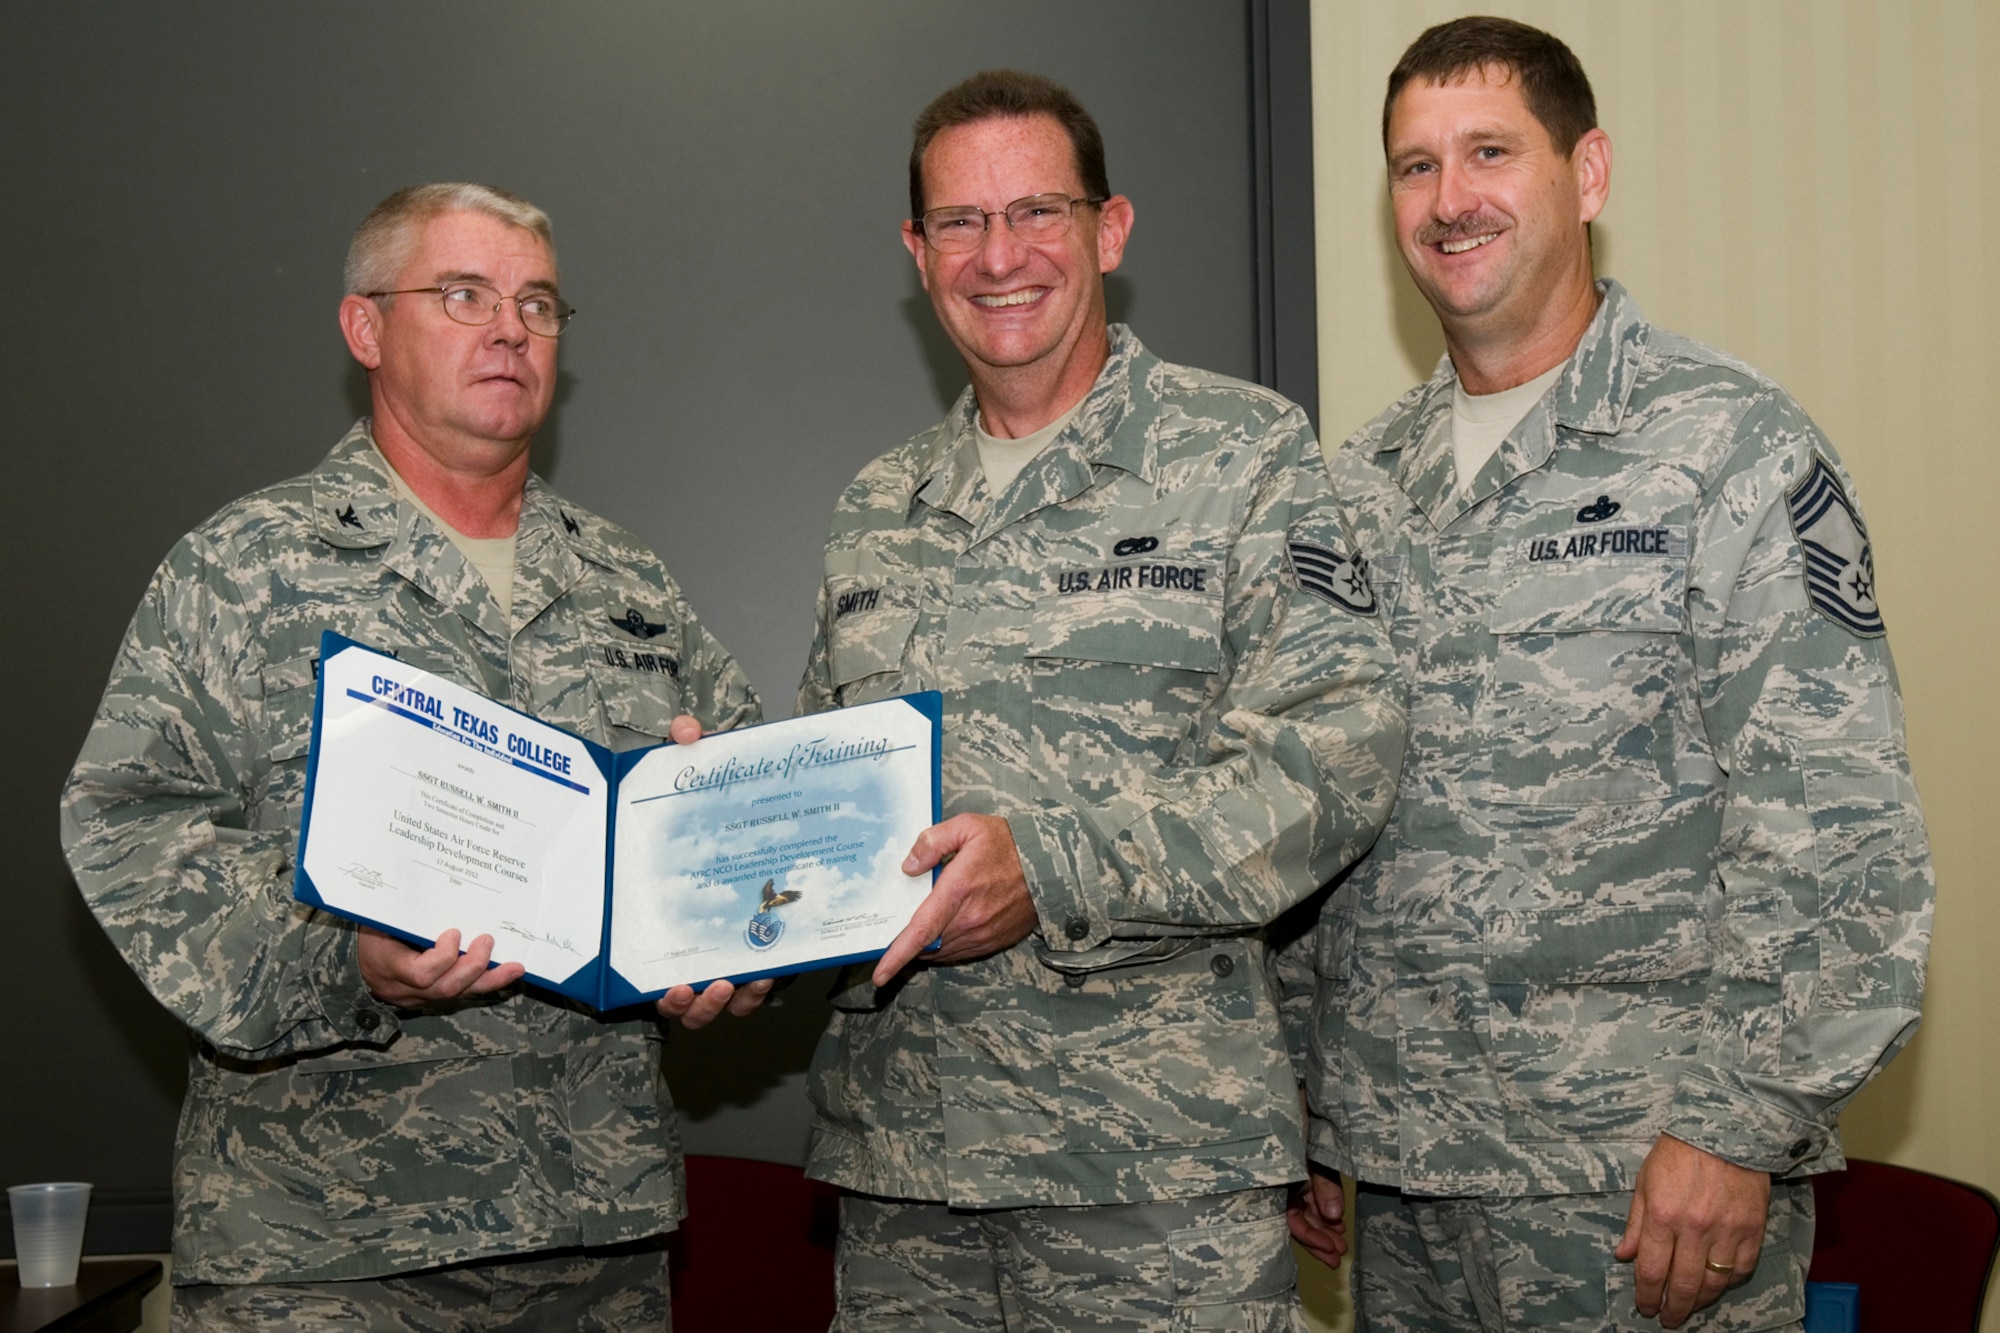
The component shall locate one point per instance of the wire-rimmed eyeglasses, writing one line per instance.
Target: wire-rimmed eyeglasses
(475, 303)
(1039, 217)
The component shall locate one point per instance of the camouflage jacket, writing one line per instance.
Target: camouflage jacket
(1656, 863)
(325, 1134)
(1185, 736)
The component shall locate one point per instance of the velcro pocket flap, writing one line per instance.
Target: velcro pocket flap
(1632, 595)
(1597, 945)
(1182, 633)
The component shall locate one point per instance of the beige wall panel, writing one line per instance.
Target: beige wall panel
(1805, 183)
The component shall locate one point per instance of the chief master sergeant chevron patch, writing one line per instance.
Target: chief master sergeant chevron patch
(1840, 565)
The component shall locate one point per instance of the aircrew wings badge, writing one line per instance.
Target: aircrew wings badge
(1333, 577)
(1840, 565)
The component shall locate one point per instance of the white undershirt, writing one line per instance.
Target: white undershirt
(1480, 422)
(1002, 459)
(493, 557)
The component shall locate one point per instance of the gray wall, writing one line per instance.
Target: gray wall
(181, 181)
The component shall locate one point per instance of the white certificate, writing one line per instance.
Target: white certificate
(612, 877)
(773, 848)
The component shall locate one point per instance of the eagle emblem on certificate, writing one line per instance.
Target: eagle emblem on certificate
(765, 924)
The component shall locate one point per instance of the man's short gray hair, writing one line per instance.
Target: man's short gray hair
(386, 238)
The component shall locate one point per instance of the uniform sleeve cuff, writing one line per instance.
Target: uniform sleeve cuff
(1324, 1148)
(1749, 1131)
(333, 966)
(1057, 862)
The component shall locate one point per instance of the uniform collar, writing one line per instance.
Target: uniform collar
(356, 506)
(1589, 397)
(948, 475)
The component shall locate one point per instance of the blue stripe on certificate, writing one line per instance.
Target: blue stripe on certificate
(472, 742)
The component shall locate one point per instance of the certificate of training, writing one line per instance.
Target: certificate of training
(612, 876)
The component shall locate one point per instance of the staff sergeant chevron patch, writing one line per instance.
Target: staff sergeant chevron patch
(1840, 565)
(1342, 580)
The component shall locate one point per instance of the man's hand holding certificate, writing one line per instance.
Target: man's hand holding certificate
(612, 877)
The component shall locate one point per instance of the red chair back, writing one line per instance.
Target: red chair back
(756, 1249)
(1919, 1246)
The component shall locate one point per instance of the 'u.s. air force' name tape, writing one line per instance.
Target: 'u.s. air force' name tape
(1141, 575)
(631, 659)
(1332, 577)
(1608, 543)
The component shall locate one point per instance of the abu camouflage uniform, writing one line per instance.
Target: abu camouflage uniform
(1185, 737)
(1545, 1262)
(1656, 864)
(606, 1289)
(325, 1134)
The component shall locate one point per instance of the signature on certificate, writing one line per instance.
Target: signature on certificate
(366, 876)
(553, 941)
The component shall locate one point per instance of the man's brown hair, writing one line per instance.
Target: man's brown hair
(1009, 93)
(1552, 79)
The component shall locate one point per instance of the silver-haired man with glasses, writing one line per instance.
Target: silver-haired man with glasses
(1170, 713)
(374, 1134)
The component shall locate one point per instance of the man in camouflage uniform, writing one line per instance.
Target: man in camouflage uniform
(1169, 715)
(360, 1114)
(1655, 898)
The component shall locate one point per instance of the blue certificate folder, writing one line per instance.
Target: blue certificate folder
(613, 876)
(1833, 1307)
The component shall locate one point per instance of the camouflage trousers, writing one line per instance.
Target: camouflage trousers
(609, 1289)
(1222, 1261)
(1499, 1265)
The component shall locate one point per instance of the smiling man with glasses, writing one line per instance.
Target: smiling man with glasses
(376, 1135)
(1170, 714)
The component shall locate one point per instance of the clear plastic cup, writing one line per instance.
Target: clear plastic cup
(48, 1230)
